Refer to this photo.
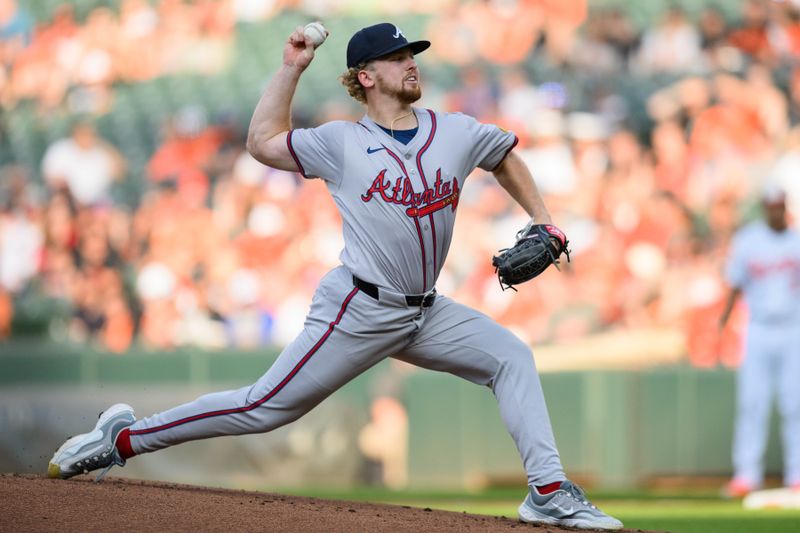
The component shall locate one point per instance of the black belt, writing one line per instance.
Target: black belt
(420, 300)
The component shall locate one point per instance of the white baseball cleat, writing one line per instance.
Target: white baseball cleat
(566, 506)
(93, 450)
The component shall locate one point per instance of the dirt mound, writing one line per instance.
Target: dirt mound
(33, 503)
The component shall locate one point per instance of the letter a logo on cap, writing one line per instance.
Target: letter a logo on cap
(398, 33)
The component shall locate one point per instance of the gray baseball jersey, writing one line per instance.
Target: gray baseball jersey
(398, 205)
(398, 202)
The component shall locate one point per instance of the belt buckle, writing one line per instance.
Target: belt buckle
(427, 300)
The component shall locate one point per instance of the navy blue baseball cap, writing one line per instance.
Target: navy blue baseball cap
(377, 41)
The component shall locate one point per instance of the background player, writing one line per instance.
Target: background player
(396, 177)
(764, 265)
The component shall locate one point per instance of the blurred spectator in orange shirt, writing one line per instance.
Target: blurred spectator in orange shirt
(452, 38)
(186, 153)
(505, 30)
(40, 71)
(6, 314)
(752, 37)
(770, 31)
(140, 58)
(562, 19)
(768, 102)
(101, 311)
(16, 30)
(671, 154)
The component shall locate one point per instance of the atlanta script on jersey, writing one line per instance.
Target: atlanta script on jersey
(398, 201)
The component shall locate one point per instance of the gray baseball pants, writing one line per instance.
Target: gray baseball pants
(771, 368)
(346, 332)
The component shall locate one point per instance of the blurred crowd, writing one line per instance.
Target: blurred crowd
(64, 61)
(223, 252)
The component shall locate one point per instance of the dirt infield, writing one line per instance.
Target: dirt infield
(33, 503)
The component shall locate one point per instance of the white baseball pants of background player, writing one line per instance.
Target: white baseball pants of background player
(346, 332)
(771, 368)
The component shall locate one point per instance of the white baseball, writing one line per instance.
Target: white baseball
(316, 32)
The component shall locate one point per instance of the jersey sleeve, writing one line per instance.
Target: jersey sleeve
(736, 266)
(490, 143)
(319, 152)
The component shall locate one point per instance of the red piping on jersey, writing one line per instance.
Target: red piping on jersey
(294, 155)
(416, 219)
(425, 183)
(270, 394)
(516, 140)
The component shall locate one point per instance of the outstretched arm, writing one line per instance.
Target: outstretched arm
(271, 121)
(513, 175)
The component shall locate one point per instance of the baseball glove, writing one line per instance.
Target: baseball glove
(538, 246)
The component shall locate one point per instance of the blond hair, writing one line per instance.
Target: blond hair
(350, 80)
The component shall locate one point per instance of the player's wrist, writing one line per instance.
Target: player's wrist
(293, 69)
(541, 217)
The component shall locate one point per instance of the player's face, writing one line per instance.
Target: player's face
(397, 75)
(775, 213)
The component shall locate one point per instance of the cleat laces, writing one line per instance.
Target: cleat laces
(576, 493)
(106, 460)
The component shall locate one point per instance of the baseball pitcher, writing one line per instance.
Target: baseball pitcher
(396, 176)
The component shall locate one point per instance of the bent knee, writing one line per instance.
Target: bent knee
(517, 355)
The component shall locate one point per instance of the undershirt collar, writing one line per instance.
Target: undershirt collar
(404, 136)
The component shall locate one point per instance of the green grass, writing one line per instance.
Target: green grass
(703, 517)
(701, 512)
(679, 516)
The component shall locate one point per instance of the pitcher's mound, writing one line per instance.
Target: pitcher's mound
(33, 503)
